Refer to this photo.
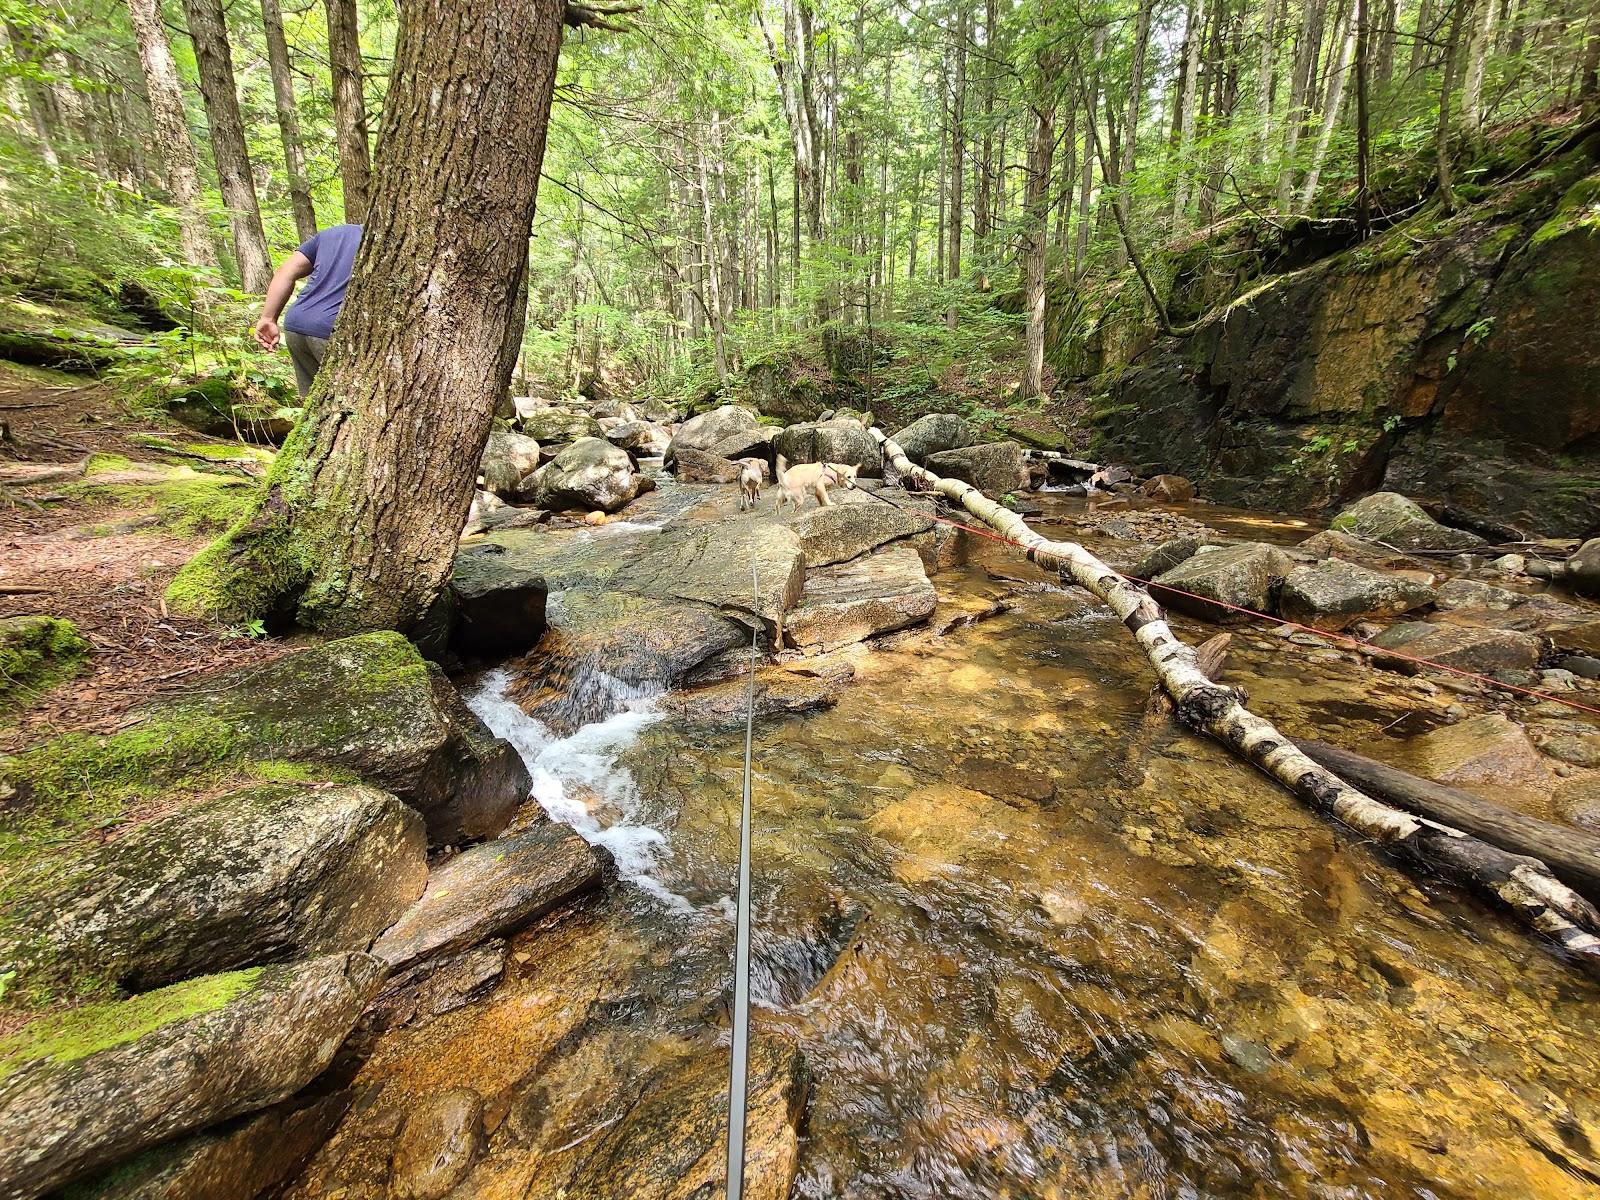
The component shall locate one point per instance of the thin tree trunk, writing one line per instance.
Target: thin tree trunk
(1091, 100)
(1266, 71)
(1363, 124)
(358, 525)
(712, 282)
(1301, 83)
(794, 69)
(1477, 56)
(1383, 67)
(1589, 72)
(170, 131)
(1441, 132)
(1420, 38)
(958, 145)
(294, 158)
(1193, 36)
(983, 176)
(1067, 179)
(349, 108)
(1036, 214)
(27, 47)
(1330, 116)
(1523, 885)
(209, 33)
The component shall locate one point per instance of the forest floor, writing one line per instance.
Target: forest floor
(103, 567)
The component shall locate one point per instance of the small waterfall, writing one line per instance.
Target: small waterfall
(576, 779)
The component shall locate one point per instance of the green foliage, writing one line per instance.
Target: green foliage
(37, 652)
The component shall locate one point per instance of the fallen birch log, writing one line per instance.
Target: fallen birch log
(1523, 884)
(1571, 854)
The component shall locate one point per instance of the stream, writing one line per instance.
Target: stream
(1032, 940)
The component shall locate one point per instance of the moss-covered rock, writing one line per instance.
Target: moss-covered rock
(37, 652)
(94, 1085)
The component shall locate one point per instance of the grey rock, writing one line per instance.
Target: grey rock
(1470, 593)
(1391, 518)
(98, 1084)
(997, 469)
(441, 1139)
(492, 889)
(701, 466)
(590, 474)
(508, 458)
(934, 433)
(1333, 594)
(1168, 555)
(1245, 575)
(861, 599)
(708, 429)
(855, 523)
(437, 985)
(1460, 646)
(266, 872)
(557, 426)
(748, 443)
(845, 442)
(643, 438)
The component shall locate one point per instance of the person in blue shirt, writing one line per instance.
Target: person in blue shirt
(327, 257)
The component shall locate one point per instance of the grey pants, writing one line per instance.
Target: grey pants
(306, 354)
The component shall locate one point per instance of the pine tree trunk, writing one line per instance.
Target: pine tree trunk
(294, 157)
(713, 283)
(1036, 215)
(349, 108)
(170, 131)
(1266, 71)
(983, 177)
(209, 33)
(1421, 36)
(1383, 63)
(358, 525)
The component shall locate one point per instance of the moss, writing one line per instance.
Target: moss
(1578, 209)
(36, 653)
(70, 1036)
(187, 504)
(280, 771)
(101, 464)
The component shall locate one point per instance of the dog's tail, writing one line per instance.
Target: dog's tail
(783, 466)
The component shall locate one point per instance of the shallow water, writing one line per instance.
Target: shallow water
(1034, 942)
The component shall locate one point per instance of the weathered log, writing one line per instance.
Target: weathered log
(1523, 884)
(1571, 854)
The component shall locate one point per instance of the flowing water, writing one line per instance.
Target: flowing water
(1032, 940)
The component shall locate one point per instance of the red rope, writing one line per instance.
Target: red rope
(1250, 612)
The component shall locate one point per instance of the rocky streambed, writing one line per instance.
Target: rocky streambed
(343, 926)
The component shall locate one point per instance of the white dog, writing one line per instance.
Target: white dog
(794, 482)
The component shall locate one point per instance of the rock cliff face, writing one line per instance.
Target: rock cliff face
(1457, 361)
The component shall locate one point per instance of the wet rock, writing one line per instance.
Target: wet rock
(1485, 750)
(483, 505)
(492, 889)
(1170, 489)
(1582, 665)
(494, 617)
(855, 523)
(1244, 575)
(1581, 571)
(845, 442)
(266, 872)
(1390, 517)
(588, 475)
(436, 985)
(508, 459)
(1463, 647)
(237, 1160)
(95, 1085)
(1252, 1056)
(997, 469)
(860, 599)
(708, 429)
(1511, 564)
(1576, 746)
(701, 466)
(441, 1139)
(1470, 593)
(933, 434)
(1331, 543)
(1333, 593)
(1168, 555)
(1578, 801)
(779, 691)
(557, 426)
(644, 439)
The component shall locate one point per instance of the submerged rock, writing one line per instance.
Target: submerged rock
(437, 985)
(1333, 594)
(1464, 647)
(438, 1144)
(1391, 518)
(845, 442)
(997, 469)
(861, 599)
(587, 475)
(1246, 576)
(95, 1085)
(933, 434)
(508, 459)
(492, 889)
(266, 872)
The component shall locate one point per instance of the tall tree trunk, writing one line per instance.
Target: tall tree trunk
(1420, 37)
(1091, 101)
(294, 158)
(795, 67)
(1382, 69)
(1194, 35)
(1340, 72)
(1302, 82)
(359, 520)
(1589, 71)
(1477, 56)
(28, 47)
(1036, 215)
(214, 60)
(713, 284)
(1441, 131)
(1266, 71)
(1067, 179)
(349, 108)
(170, 131)
(983, 176)
(958, 145)
(1363, 124)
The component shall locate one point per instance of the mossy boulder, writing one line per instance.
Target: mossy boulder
(1392, 519)
(266, 872)
(95, 1085)
(37, 652)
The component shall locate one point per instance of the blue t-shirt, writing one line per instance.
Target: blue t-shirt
(332, 252)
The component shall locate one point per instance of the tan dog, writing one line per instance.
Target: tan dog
(751, 474)
(794, 482)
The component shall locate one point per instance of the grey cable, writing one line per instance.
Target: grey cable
(741, 955)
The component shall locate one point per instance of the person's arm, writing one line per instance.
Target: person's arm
(293, 269)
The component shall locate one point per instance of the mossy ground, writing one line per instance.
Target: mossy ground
(188, 503)
(36, 653)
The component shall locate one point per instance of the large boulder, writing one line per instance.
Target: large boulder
(1467, 648)
(589, 474)
(845, 442)
(701, 466)
(709, 429)
(645, 439)
(508, 458)
(996, 469)
(747, 443)
(1332, 594)
(1169, 489)
(262, 873)
(494, 888)
(98, 1084)
(861, 599)
(1214, 578)
(557, 426)
(855, 523)
(934, 433)
(1390, 518)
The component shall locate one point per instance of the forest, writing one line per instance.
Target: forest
(799, 599)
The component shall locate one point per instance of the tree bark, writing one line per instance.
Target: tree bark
(209, 33)
(1194, 34)
(1523, 885)
(358, 524)
(958, 145)
(1302, 82)
(1036, 215)
(1477, 56)
(349, 108)
(1441, 131)
(294, 156)
(712, 275)
(170, 131)
(1340, 72)
(794, 69)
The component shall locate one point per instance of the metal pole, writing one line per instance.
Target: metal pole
(740, 1066)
